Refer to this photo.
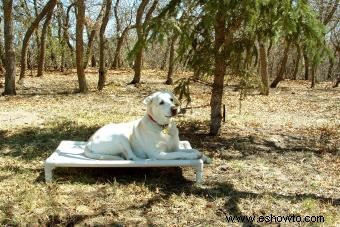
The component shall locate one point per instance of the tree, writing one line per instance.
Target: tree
(282, 66)
(220, 69)
(9, 48)
(1, 56)
(265, 30)
(1, 52)
(67, 25)
(80, 15)
(63, 35)
(41, 62)
(121, 35)
(337, 82)
(166, 56)
(297, 61)
(47, 9)
(102, 70)
(306, 64)
(62, 42)
(300, 24)
(264, 69)
(142, 33)
(171, 59)
(316, 15)
(37, 35)
(336, 46)
(220, 35)
(92, 29)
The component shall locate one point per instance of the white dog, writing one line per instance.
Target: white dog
(155, 136)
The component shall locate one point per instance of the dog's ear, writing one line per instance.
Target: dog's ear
(148, 100)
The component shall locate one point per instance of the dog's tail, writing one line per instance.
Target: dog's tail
(88, 153)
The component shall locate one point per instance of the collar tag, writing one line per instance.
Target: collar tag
(165, 130)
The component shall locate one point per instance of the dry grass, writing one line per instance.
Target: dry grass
(279, 157)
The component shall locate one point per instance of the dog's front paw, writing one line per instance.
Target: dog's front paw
(173, 130)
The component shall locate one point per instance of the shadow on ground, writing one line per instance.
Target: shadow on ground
(167, 182)
(253, 144)
(39, 143)
(170, 181)
(36, 143)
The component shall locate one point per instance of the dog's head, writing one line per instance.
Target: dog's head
(162, 106)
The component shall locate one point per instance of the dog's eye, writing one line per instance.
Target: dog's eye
(161, 103)
(171, 99)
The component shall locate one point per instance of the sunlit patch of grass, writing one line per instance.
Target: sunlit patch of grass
(237, 165)
(309, 205)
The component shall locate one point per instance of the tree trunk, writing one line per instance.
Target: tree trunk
(139, 55)
(270, 59)
(330, 68)
(220, 70)
(264, 69)
(137, 67)
(93, 61)
(337, 82)
(197, 73)
(88, 54)
(66, 26)
(60, 36)
(165, 58)
(120, 39)
(37, 35)
(48, 8)
(2, 60)
(306, 63)
(297, 62)
(282, 69)
(313, 76)
(142, 34)
(331, 12)
(80, 46)
(9, 48)
(171, 60)
(29, 59)
(53, 60)
(248, 59)
(41, 63)
(93, 30)
(117, 59)
(102, 70)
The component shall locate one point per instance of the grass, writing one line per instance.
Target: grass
(279, 157)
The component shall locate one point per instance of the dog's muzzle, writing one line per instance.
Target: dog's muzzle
(174, 111)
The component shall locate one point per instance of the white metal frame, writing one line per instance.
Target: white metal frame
(70, 154)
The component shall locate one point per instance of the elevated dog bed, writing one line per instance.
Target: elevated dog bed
(70, 154)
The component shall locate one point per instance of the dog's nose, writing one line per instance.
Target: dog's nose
(174, 110)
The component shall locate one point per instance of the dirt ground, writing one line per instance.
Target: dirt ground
(279, 157)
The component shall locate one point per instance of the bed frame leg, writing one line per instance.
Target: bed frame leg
(199, 173)
(48, 173)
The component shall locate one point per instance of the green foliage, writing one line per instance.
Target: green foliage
(139, 45)
(197, 40)
(165, 24)
(182, 90)
(247, 23)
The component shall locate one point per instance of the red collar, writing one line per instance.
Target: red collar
(151, 118)
(162, 126)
